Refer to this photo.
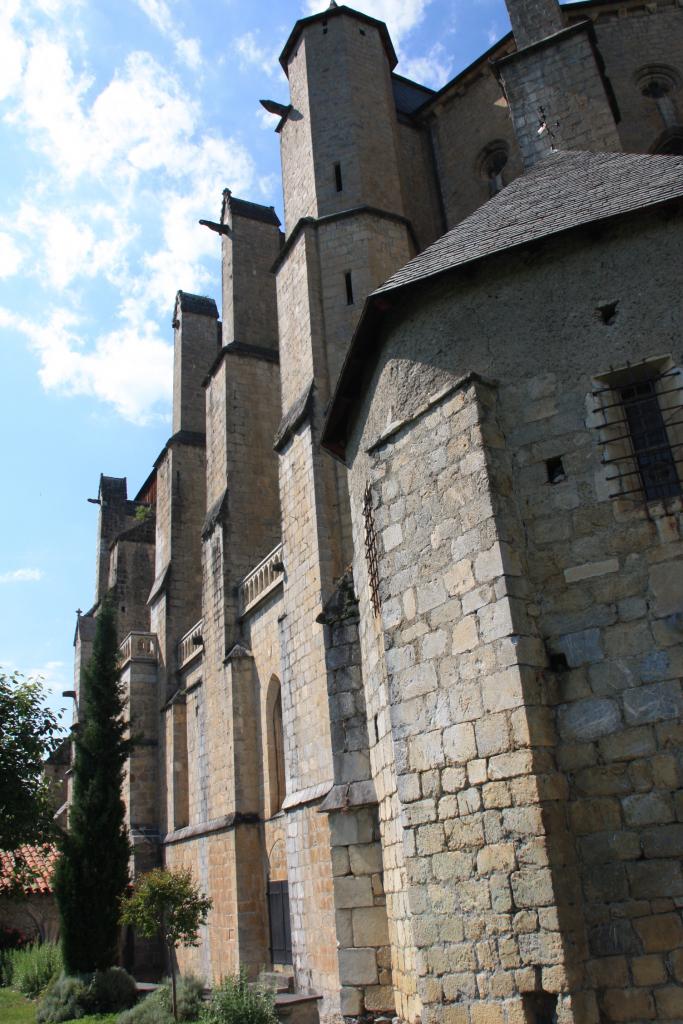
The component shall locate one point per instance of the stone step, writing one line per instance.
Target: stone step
(297, 1008)
(277, 981)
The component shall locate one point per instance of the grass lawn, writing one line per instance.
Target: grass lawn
(14, 1009)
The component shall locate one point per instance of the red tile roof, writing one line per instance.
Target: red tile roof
(41, 861)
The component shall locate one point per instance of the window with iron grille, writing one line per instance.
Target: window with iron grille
(640, 424)
(371, 550)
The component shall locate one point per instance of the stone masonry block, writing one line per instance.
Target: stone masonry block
(370, 926)
(366, 859)
(353, 892)
(660, 933)
(459, 744)
(358, 966)
(653, 703)
(589, 719)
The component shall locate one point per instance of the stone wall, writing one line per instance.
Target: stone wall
(559, 83)
(531, 649)
(643, 37)
(34, 916)
(420, 188)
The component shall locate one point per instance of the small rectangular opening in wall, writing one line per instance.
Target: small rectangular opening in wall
(555, 470)
(349, 288)
(558, 662)
(376, 725)
(339, 184)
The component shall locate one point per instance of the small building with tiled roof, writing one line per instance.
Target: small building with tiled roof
(27, 902)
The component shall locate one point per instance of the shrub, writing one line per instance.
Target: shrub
(6, 967)
(156, 1008)
(153, 1009)
(111, 991)
(33, 967)
(65, 1001)
(235, 1001)
(70, 998)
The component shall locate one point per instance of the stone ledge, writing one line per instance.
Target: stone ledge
(352, 794)
(306, 796)
(436, 399)
(226, 823)
(298, 413)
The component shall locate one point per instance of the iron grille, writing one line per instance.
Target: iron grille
(636, 419)
(371, 550)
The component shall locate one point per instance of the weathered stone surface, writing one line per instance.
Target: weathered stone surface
(589, 720)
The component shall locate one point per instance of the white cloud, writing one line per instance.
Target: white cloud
(401, 16)
(76, 242)
(21, 576)
(251, 52)
(266, 119)
(189, 51)
(109, 158)
(433, 69)
(269, 185)
(159, 13)
(53, 675)
(135, 124)
(129, 368)
(10, 256)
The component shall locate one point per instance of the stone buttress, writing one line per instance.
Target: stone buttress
(222, 837)
(345, 231)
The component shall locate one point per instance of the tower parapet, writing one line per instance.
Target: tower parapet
(339, 139)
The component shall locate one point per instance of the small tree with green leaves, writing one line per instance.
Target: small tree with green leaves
(170, 904)
(92, 871)
(29, 732)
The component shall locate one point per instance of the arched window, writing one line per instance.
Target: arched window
(492, 161)
(659, 84)
(276, 747)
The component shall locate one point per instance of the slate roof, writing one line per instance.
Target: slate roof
(41, 862)
(565, 190)
(409, 96)
(254, 211)
(201, 304)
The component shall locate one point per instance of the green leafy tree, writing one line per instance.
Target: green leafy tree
(29, 733)
(167, 903)
(92, 871)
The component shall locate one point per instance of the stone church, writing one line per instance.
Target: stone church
(401, 601)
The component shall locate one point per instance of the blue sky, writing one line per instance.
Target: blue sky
(121, 121)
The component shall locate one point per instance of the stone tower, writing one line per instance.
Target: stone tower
(556, 85)
(345, 231)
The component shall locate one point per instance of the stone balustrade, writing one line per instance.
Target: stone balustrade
(191, 644)
(257, 584)
(138, 646)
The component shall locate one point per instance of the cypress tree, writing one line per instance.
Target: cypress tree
(92, 872)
